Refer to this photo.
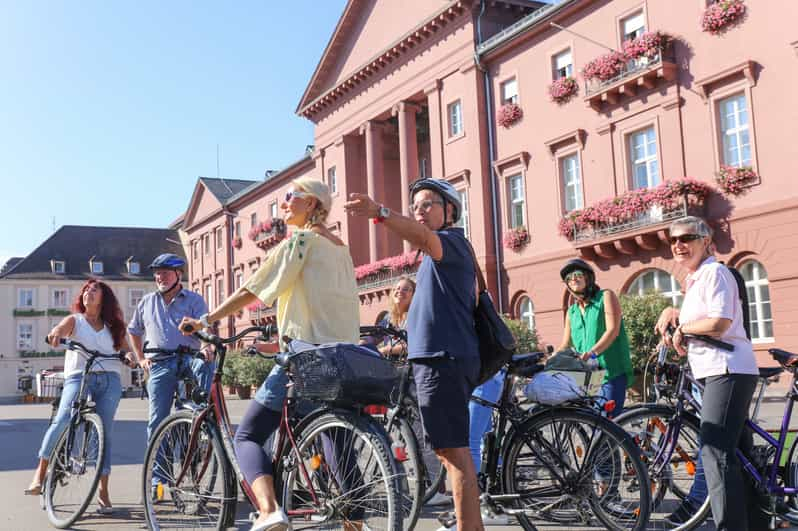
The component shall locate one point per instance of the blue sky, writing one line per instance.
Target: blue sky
(110, 110)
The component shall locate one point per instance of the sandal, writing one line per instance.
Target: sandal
(35, 489)
(104, 509)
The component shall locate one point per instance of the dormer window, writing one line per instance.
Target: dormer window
(95, 267)
(133, 268)
(58, 266)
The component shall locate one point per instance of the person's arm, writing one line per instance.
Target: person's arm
(62, 330)
(240, 299)
(419, 236)
(612, 323)
(566, 335)
(137, 345)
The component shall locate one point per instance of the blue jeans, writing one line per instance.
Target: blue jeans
(615, 389)
(480, 417)
(272, 392)
(105, 390)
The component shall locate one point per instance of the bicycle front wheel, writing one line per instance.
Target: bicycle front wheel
(341, 476)
(74, 470)
(406, 452)
(187, 484)
(570, 464)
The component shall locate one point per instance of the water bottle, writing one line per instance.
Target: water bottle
(593, 362)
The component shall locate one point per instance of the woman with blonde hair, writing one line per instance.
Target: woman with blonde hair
(396, 317)
(313, 280)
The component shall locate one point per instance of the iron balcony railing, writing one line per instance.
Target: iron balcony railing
(631, 68)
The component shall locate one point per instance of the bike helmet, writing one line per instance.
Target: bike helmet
(168, 261)
(577, 265)
(442, 188)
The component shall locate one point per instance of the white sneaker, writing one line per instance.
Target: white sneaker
(440, 499)
(276, 521)
(489, 518)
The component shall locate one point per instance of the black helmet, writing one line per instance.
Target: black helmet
(577, 265)
(168, 261)
(442, 188)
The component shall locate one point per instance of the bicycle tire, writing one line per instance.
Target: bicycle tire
(408, 457)
(65, 474)
(334, 447)
(647, 425)
(203, 500)
(552, 455)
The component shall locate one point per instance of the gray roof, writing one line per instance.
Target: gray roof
(113, 246)
(224, 189)
(11, 262)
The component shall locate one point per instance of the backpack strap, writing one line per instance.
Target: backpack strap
(743, 295)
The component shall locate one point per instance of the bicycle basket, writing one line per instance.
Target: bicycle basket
(342, 373)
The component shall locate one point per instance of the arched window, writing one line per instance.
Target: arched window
(526, 312)
(756, 284)
(658, 281)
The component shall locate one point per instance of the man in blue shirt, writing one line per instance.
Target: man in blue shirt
(442, 341)
(156, 319)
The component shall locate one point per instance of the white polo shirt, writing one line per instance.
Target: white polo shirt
(712, 293)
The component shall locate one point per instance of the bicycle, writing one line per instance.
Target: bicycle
(565, 463)
(667, 434)
(77, 459)
(332, 467)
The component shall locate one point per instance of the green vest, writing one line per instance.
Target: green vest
(587, 328)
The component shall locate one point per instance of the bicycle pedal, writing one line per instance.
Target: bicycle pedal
(253, 516)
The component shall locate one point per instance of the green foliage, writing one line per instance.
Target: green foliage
(526, 339)
(252, 370)
(231, 360)
(640, 314)
(55, 312)
(28, 313)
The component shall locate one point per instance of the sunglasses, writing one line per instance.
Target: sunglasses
(685, 238)
(574, 275)
(424, 206)
(290, 195)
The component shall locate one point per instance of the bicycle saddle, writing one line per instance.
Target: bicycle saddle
(769, 372)
(788, 359)
(526, 365)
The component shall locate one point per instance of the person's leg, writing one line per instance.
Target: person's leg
(615, 389)
(725, 407)
(161, 387)
(463, 477)
(479, 416)
(106, 391)
(203, 373)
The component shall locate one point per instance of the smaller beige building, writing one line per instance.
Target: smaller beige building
(37, 291)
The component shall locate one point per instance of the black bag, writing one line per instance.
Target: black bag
(743, 292)
(496, 342)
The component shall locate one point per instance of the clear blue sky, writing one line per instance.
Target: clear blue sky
(109, 111)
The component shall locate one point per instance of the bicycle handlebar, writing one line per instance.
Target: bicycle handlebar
(76, 345)
(383, 330)
(265, 331)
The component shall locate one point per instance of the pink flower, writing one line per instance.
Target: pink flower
(508, 114)
(648, 44)
(735, 181)
(563, 89)
(605, 67)
(393, 264)
(722, 15)
(516, 238)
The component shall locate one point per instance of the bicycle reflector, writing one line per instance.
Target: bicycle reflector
(375, 410)
(315, 462)
(159, 491)
(690, 468)
(609, 406)
(400, 454)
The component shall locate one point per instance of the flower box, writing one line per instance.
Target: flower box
(722, 15)
(55, 312)
(237, 242)
(386, 271)
(604, 67)
(516, 238)
(734, 181)
(28, 313)
(508, 114)
(268, 233)
(563, 89)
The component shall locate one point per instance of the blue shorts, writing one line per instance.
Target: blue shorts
(444, 386)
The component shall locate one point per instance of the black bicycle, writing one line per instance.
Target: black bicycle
(77, 459)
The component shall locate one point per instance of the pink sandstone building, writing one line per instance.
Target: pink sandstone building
(549, 119)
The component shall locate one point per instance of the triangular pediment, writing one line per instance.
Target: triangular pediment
(202, 203)
(365, 28)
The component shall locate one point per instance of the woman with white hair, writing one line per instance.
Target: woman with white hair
(313, 280)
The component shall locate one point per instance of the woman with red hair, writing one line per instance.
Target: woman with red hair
(96, 322)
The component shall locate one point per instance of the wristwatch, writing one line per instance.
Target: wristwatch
(382, 214)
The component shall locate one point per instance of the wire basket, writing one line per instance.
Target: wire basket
(344, 374)
(49, 385)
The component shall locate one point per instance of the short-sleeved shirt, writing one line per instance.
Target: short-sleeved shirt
(712, 293)
(159, 322)
(440, 321)
(313, 281)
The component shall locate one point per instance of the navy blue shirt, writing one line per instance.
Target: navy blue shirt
(440, 321)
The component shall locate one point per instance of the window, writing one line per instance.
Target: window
(563, 64)
(96, 267)
(220, 289)
(463, 221)
(643, 154)
(239, 279)
(253, 219)
(59, 267)
(756, 284)
(209, 294)
(60, 298)
(734, 131)
(516, 194)
(237, 229)
(195, 249)
(633, 26)
(134, 268)
(25, 299)
(455, 113)
(273, 213)
(657, 281)
(526, 312)
(134, 296)
(331, 180)
(206, 242)
(571, 182)
(219, 239)
(24, 336)
(509, 91)
(422, 169)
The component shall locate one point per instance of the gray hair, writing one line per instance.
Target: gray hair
(697, 225)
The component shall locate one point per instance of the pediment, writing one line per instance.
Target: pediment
(202, 203)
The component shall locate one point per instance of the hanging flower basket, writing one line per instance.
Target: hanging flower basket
(734, 181)
(508, 114)
(268, 233)
(393, 265)
(237, 242)
(563, 89)
(605, 67)
(722, 15)
(516, 238)
(648, 45)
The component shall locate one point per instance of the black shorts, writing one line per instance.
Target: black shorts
(444, 386)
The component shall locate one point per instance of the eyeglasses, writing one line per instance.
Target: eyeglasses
(685, 238)
(424, 206)
(574, 275)
(403, 290)
(292, 194)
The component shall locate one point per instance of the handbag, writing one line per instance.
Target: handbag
(496, 341)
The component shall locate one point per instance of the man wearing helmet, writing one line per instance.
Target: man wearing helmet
(442, 342)
(156, 319)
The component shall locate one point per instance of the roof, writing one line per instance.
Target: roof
(223, 189)
(11, 262)
(113, 246)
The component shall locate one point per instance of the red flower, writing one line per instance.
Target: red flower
(605, 67)
(516, 238)
(508, 114)
(722, 15)
(393, 264)
(563, 89)
(735, 181)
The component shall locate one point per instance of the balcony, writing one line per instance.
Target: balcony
(268, 234)
(260, 314)
(28, 312)
(642, 73)
(377, 278)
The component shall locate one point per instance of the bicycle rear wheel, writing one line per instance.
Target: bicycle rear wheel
(569, 463)
(406, 452)
(205, 498)
(342, 476)
(74, 470)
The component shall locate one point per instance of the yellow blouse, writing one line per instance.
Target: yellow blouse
(313, 280)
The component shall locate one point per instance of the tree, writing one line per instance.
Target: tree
(526, 339)
(640, 314)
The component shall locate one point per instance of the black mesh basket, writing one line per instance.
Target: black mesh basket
(342, 373)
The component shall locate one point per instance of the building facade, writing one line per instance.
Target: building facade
(579, 128)
(37, 291)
